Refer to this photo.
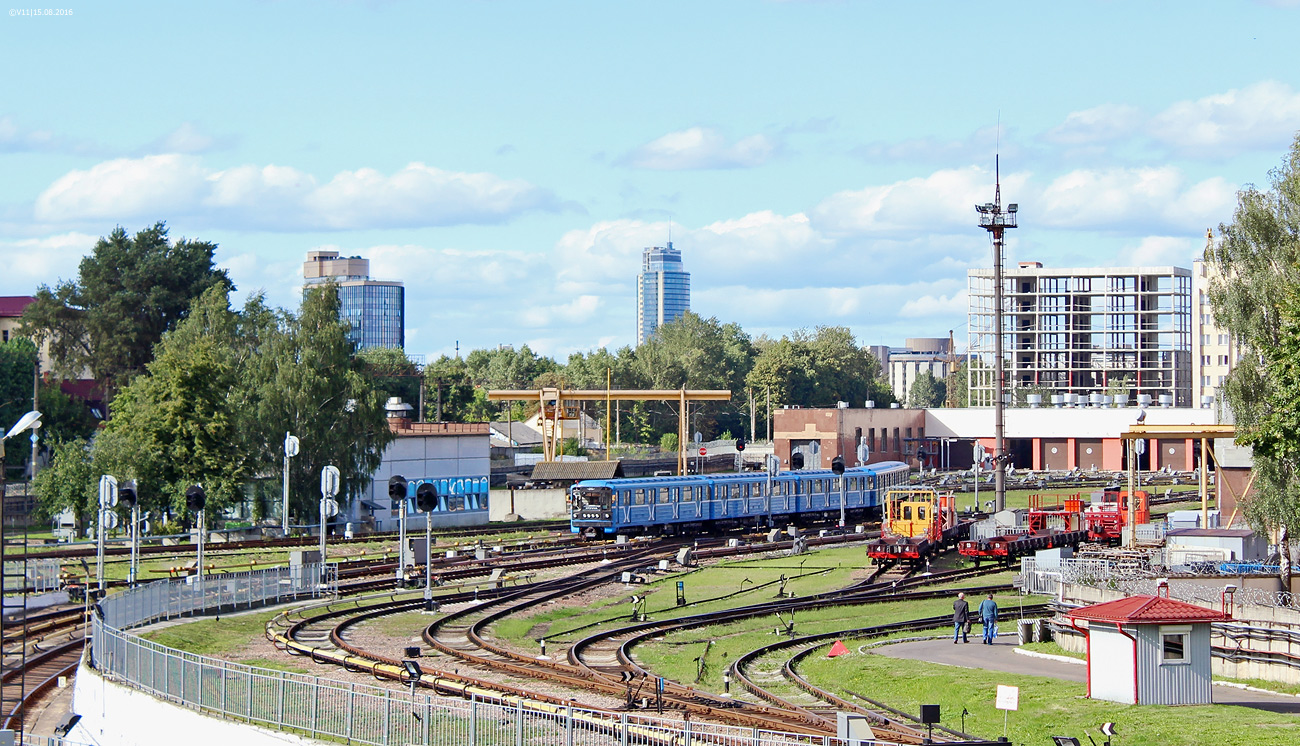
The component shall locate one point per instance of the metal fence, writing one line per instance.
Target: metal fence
(316, 707)
(38, 576)
(1130, 580)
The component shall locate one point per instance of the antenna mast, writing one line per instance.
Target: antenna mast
(996, 222)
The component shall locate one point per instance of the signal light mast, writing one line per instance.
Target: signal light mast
(995, 221)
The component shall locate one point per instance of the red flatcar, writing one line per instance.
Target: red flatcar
(1046, 527)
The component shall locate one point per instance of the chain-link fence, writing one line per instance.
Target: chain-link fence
(320, 708)
(1131, 581)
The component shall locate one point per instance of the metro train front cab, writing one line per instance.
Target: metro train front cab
(591, 508)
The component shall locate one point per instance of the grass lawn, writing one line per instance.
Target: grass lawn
(673, 655)
(1052, 648)
(1047, 706)
(214, 636)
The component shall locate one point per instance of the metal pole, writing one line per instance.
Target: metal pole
(401, 541)
(999, 373)
(1204, 489)
(428, 561)
(843, 507)
(1132, 489)
(285, 517)
(135, 543)
(322, 533)
(99, 548)
(203, 530)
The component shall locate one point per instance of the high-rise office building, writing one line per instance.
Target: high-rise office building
(376, 309)
(663, 291)
(1111, 330)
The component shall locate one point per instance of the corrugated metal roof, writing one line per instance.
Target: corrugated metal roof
(1147, 610)
(13, 305)
(577, 471)
(1236, 533)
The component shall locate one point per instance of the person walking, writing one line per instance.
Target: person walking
(989, 618)
(960, 619)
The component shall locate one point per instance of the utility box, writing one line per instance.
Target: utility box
(853, 729)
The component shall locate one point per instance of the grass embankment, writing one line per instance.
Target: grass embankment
(1047, 706)
(234, 638)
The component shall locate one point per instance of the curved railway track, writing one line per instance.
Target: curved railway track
(37, 651)
(601, 663)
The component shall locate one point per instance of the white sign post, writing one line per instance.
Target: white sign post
(329, 487)
(1008, 699)
(107, 501)
(291, 447)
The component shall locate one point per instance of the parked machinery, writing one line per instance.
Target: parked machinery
(695, 503)
(918, 523)
(1045, 527)
(1107, 514)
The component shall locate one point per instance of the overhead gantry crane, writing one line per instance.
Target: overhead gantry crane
(558, 405)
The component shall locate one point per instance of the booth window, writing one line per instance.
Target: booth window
(1173, 644)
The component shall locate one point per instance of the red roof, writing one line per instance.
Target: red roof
(13, 305)
(1147, 610)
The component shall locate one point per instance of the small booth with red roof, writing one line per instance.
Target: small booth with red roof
(1148, 650)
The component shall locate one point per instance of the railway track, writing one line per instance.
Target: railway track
(37, 651)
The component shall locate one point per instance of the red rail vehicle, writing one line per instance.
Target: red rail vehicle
(1107, 514)
(918, 524)
(1046, 527)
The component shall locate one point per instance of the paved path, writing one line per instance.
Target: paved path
(1000, 656)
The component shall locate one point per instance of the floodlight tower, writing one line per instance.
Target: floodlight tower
(996, 222)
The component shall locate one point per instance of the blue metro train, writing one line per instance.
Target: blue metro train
(694, 503)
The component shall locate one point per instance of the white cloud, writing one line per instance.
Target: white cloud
(1119, 198)
(1159, 251)
(980, 146)
(701, 148)
(951, 305)
(283, 198)
(1100, 124)
(188, 138)
(31, 262)
(1264, 115)
(941, 202)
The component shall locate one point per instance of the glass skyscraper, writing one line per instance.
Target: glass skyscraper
(376, 309)
(663, 291)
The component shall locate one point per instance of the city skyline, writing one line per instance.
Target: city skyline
(509, 163)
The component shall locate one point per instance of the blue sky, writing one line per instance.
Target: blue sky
(818, 161)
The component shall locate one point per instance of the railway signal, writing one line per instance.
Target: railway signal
(796, 460)
(397, 493)
(426, 501)
(196, 499)
(126, 492)
(107, 501)
(291, 448)
(740, 445)
(329, 487)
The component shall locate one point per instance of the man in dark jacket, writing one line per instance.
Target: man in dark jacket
(960, 616)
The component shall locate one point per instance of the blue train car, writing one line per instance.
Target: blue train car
(693, 503)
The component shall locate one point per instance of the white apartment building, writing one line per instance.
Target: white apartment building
(1094, 330)
(1214, 353)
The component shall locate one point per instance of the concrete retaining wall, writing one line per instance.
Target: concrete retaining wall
(531, 505)
(115, 715)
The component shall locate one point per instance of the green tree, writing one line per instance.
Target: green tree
(17, 373)
(449, 392)
(128, 292)
(309, 382)
(184, 422)
(927, 391)
(70, 481)
(1255, 299)
(394, 373)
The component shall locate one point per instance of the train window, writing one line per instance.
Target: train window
(640, 497)
(735, 491)
(699, 492)
(907, 512)
(688, 493)
(818, 486)
(920, 512)
(664, 495)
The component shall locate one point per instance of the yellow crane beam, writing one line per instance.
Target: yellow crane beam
(551, 401)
